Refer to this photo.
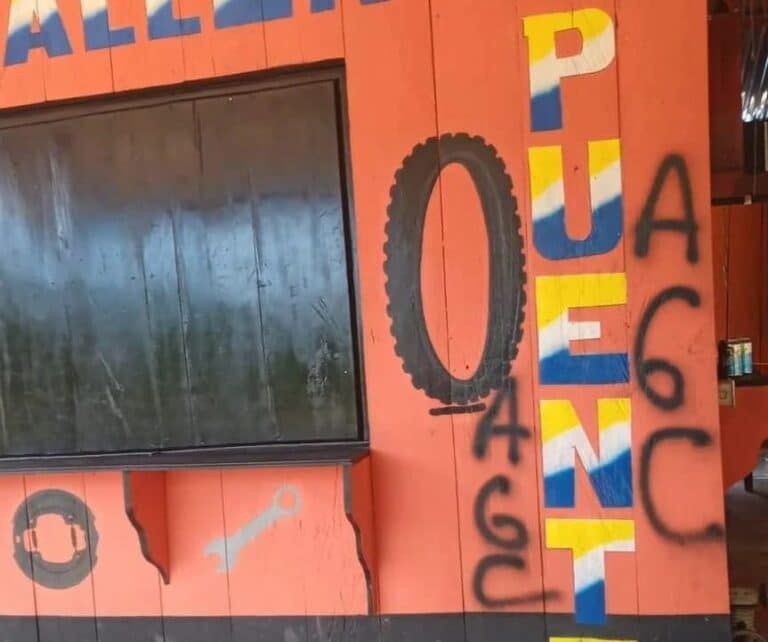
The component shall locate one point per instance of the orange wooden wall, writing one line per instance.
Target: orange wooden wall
(739, 241)
(456, 523)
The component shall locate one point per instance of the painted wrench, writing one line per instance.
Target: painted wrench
(228, 548)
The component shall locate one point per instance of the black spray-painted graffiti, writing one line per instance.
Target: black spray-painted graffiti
(687, 225)
(699, 439)
(507, 532)
(646, 368)
(488, 428)
(54, 575)
(414, 184)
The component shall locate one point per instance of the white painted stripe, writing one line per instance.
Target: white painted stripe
(92, 7)
(606, 186)
(549, 201)
(558, 453)
(615, 441)
(553, 337)
(596, 55)
(544, 74)
(583, 330)
(590, 567)
(153, 6)
(21, 15)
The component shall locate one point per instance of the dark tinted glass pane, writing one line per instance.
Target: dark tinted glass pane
(176, 276)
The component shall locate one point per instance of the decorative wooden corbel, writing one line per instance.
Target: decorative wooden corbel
(145, 505)
(358, 505)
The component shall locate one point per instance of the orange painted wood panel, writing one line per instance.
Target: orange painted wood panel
(743, 431)
(473, 114)
(295, 536)
(84, 72)
(22, 78)
(156, 56)
(195, 498)
(308, 36)
(391, 111)
(745, 276)
(725, 60)
(721, 219)
(137, 591)
(198, 48)
(590, 275)
(17, 595)
(760, 347)
(738, 241)
(419, 70)
(685, 470)
(59, 541)
(239, 48)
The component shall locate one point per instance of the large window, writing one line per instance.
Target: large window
(175, 277)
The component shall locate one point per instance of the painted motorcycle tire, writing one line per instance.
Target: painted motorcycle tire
(410, 196)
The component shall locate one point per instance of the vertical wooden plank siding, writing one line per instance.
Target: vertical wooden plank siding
(196, 497)
(414, 475)
(198, 48)
(533, 244)
(745, 255)
(238, 43)
(23, 74)
(575, 173)
(665, 146)
(156, 56)
(477, 124)
(721, 222)
(88, 70)
(71, 592)
(314, 33)
(18, 592)
(119, 555)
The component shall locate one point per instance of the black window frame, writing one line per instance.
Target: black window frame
(260, 454)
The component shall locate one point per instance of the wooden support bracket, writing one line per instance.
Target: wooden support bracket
(358, 505)
(145, 505)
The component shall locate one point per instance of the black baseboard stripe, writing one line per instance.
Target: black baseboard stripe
(436, 627)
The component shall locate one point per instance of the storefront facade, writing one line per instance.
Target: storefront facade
(531, 240)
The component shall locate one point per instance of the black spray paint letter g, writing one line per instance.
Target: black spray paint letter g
(645, 368)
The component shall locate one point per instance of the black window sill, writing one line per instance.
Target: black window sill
(750, 381)
(265, 455)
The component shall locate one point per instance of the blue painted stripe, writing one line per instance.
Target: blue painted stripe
(243, 12)
(559, 489)
(563, 368)
(237, 12)
(590, 604)
(98, 35)
(52, 37)
(163, 24)
(552, 241)
(613, 482)
(547, 111)
(276, 9)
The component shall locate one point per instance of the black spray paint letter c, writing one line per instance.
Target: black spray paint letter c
(700, 439)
